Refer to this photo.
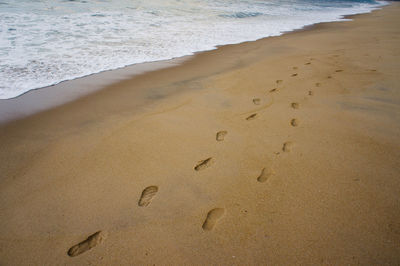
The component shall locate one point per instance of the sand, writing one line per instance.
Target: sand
(283, 151)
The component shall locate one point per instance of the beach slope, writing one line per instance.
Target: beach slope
(283, 151)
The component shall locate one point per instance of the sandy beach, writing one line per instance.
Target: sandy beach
(282, 151)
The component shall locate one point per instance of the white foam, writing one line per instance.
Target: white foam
(44, 43)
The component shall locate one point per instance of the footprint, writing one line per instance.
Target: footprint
(294, 122)
(317, 84)
(251, 117)
(87, 244)
(265, 174)
(308, 63)
(295, 105)
(294, 68)
(311, 93)
(294, 75)
(279, 81)
(221, 135)
(204, 164)
(287, 146)
(329, 77)
(212, 218)
(339, 70)
(273, 90)
(256, 101)
(147, 196)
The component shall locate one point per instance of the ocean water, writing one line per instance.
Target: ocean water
(44, 42)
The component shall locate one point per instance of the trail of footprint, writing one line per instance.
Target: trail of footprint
(147, 196)
(251, 117)
(287, 146)
(221, 135)
(87, 244)
(295, 105)
(212, 218)
(251, 113)
(256, 101)
(294, 122)
(204, 164)
(265, 174)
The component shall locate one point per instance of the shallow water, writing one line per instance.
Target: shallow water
(44, 42)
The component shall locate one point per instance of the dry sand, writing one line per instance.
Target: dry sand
(280, 151)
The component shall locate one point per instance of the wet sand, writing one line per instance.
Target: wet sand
(283, 151)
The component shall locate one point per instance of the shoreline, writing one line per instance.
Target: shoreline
(45, 98)
(283, 151)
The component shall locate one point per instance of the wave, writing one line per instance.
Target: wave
(242, 15)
